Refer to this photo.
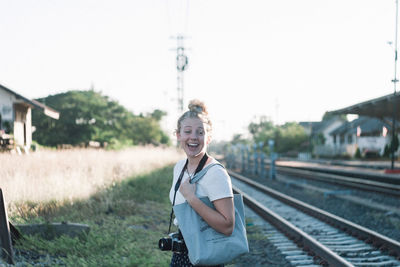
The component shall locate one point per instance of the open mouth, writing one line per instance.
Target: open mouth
(192, 145)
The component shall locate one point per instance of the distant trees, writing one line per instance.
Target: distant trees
(90, 116)
(289, 137)
(328, 115)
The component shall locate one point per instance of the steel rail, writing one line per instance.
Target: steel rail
(304, 240)
(363, 174)
(358, 183)
(380, 241)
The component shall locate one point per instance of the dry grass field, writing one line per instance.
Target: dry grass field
(49, 175)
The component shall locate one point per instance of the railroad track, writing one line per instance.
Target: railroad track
(361, 179)
(366, 180)
(329, 239)
(358, 183)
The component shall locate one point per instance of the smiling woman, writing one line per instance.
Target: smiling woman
(194, 131)
(194, 134)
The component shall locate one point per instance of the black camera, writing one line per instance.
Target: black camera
(173, 242)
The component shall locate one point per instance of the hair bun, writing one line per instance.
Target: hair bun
(198, 107)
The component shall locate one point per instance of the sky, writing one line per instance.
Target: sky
(288, 60)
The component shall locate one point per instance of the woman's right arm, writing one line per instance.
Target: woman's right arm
(222, 219)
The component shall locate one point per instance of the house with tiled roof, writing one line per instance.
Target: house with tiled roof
(16, 118)
(369, 135)
(319, 132)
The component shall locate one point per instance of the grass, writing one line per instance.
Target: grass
(123, 198)
(121, 195)
(127, 219)
(49, 175)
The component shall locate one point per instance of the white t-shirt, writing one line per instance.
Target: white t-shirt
(215, 184)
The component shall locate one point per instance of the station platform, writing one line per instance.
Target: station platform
(374, 170)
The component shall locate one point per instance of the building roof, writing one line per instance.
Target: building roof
(367, 125)
(382, 107)
(318, 126)
(46, 110)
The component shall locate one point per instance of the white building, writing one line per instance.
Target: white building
(16, 117)
(323, 142)
(369, 135)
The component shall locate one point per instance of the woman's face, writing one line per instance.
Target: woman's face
(193, 137)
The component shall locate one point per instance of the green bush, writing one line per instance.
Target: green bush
(358, 154)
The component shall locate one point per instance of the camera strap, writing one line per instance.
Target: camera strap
(178, 183)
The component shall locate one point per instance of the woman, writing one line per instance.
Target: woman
(194, 134)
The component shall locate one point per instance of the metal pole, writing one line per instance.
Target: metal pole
(242, 151)
(248, 168)
(272, 174)
(181, 66)
(255, 157)
(394, 85)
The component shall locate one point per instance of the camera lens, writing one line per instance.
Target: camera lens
(165, 243)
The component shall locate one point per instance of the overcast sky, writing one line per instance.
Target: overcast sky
(289, 60)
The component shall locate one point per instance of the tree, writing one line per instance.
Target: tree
(288, 137)
(328, 115)
(239, 139)
(158, 114)
(357, 155)
(88, 115)
(257, 128)
(292, 137)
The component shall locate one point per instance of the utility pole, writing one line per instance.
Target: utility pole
(181, 66)
(395, 81)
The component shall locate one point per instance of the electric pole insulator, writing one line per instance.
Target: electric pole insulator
(181, 62)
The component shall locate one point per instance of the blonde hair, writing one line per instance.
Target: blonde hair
(197, 109)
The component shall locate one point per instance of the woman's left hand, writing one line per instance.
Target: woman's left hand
(187, 189)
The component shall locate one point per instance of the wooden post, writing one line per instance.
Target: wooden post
(5, 238)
